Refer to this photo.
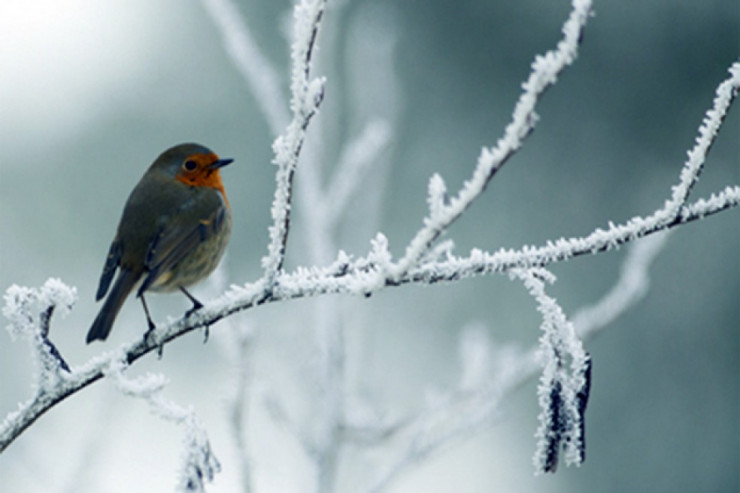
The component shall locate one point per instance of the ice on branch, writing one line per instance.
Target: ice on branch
(440, 251)
(436, 197)
(379, 254)
(199, 462)
(729, 197)
(306, 97)
(29, 311)
(23, 305)
(545, 70)
(708, 130)
(489, 374)
(307, 16)
(675, 211)
(144, 387)
(565, 381)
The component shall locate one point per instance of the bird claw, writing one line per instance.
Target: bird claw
(194, 309)
(149, 339)
(197, 305)
(150, 331)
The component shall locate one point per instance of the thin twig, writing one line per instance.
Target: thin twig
(307, 96)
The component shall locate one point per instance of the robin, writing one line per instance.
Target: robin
(173, 232)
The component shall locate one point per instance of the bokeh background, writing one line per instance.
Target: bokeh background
(91, 92)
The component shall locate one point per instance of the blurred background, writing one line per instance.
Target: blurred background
(91, 92)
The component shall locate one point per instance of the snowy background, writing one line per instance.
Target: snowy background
(92, 92)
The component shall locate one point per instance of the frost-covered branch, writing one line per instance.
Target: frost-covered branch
(674, 212)
(490, 374)
(504, 260)
(200, 464)
(708, 131)
(343, 276)
(565, 381)
(29, 311)
(307, 94)
(545, 71)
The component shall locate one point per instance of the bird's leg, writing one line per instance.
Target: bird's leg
(148, 317)
(197, 305)
(150, 331)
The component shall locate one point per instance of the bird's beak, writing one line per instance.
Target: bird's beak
(221, 163)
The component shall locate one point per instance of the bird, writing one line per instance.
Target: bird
(173, 232)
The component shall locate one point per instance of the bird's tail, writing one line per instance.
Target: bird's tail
(104, 321)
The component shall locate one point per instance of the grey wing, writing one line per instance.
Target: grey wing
(180, 235)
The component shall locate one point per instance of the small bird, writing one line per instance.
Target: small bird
(173, 232)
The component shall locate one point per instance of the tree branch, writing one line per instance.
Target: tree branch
(544, 74)
(307, 95)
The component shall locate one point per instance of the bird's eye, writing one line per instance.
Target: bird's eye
(189, 165)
